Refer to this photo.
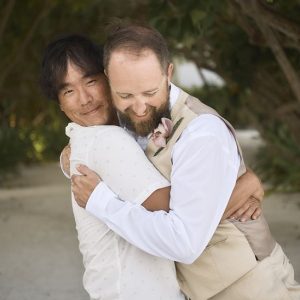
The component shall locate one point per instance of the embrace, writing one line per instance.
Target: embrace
(164, 205)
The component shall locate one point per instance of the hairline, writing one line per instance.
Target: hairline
(138, 53)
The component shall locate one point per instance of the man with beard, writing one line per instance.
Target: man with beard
(72, 74)
(202, 159)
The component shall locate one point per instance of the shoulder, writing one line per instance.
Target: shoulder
(104, 131)
(112, 135)
(207, 133)
(207, 125)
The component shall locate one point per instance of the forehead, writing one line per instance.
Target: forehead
(125, 57)
(73, 74)
(127, 70)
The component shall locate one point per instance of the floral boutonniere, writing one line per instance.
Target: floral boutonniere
(163, 133)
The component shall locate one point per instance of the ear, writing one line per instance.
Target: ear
(170, 72)
(105, 72)
(61, 107)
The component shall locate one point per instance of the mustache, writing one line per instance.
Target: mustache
(149, 108)
(143, 128)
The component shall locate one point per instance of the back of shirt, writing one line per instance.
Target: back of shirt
(115, 269)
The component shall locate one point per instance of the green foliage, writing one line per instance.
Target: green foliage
(183, 22)
(13, 150)
(227, 40)
(278, 161)
(225, 101)
(216, 35)
(32, 142)
(48, 140)
(32, 129)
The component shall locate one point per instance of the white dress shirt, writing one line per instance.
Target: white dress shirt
(115, 269)
(204, 171)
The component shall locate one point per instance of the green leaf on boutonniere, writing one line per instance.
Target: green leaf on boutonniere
(169, 137)
(158, 151)
(174, 128)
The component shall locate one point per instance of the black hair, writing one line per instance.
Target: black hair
(74, 48)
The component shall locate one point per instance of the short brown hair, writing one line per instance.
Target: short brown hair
(135, 39)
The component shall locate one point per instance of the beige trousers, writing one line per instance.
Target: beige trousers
(229, 270)
(271, 279)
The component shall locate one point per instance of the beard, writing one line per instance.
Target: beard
(143, 128)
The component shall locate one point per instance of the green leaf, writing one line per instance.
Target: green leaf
(197, 16)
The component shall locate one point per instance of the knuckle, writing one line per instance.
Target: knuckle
(244, 208)
(248, 213)
(238, 213)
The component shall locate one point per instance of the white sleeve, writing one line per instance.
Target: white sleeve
(204, 172)
(123, 165)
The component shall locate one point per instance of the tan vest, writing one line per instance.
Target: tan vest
(228, 256)
(184, 111)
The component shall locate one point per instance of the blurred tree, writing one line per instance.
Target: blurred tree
(32, 128)
(252, 44)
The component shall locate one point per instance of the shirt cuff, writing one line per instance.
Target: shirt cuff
(99, 199)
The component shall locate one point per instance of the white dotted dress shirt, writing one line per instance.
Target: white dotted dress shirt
(115, 269)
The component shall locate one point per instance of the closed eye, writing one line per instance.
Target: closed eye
(150, 94)
(125, 96)
(91, 82)
(68, 92)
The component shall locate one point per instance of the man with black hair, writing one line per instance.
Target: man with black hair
(72, 74)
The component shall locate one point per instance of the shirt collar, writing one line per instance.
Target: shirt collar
(174, 94)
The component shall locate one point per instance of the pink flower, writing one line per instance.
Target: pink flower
(162, 132)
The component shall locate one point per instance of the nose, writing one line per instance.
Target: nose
(84, 97)
(139, 107)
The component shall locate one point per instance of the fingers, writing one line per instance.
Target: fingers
(84, 170)
(257, 213)
(89, 180)
(248, 214)
(66, 153)
(75, 180)
(78, 198)
(84, 185)
(252, 213)
(250, 210)
(237, 214)
(77, 188)
(67, 148)
(77, 184)
(65, 159)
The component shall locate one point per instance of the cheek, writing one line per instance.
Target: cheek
(99, 92)
(162, 97)
(120, 105)
(66, 110)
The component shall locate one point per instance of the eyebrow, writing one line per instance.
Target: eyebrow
(63, 86)
(152, 90)
(90, 74)
(123, 93)
(148, 91)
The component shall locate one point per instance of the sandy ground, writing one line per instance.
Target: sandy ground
(39, 256)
